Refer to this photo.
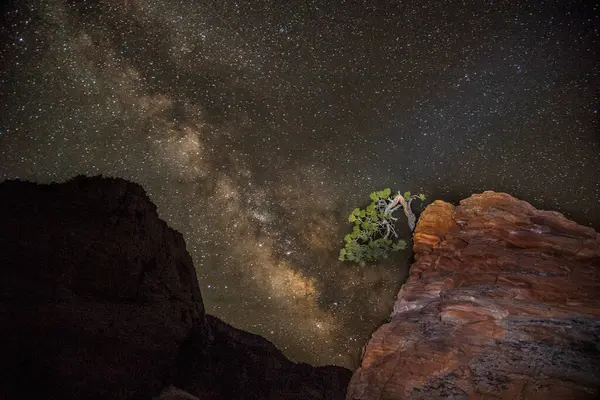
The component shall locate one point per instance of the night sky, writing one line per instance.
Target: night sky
(256, 127)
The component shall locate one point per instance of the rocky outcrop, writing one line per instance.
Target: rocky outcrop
(99, 300)
(502, 302)
(97, 293)
(255, 369)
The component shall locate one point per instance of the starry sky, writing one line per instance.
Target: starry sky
(257, 126)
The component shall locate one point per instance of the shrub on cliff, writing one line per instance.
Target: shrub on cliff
(373, 236)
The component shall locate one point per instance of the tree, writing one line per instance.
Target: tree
(374, 236)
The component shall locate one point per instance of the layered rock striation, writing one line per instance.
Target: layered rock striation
(503, 302)
(99, 300)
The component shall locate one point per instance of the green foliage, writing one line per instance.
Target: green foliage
(371, 237)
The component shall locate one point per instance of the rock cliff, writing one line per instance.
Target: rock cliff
(99, 300)
(503, 302)
(258, 369)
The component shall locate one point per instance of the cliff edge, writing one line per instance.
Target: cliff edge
(503, 302)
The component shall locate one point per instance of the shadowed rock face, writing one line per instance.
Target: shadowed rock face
(259, 370)
(96, 294)
(99, 300)
(502, 302)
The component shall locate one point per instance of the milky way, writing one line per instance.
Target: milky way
(257, 126)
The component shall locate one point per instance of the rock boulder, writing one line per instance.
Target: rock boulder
(503, 302)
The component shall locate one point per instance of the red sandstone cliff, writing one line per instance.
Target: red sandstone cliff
(503, 302)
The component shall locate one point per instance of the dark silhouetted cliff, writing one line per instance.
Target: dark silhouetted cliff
(99, 300)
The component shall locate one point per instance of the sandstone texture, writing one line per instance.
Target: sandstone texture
(99, 299)
(502, 302)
